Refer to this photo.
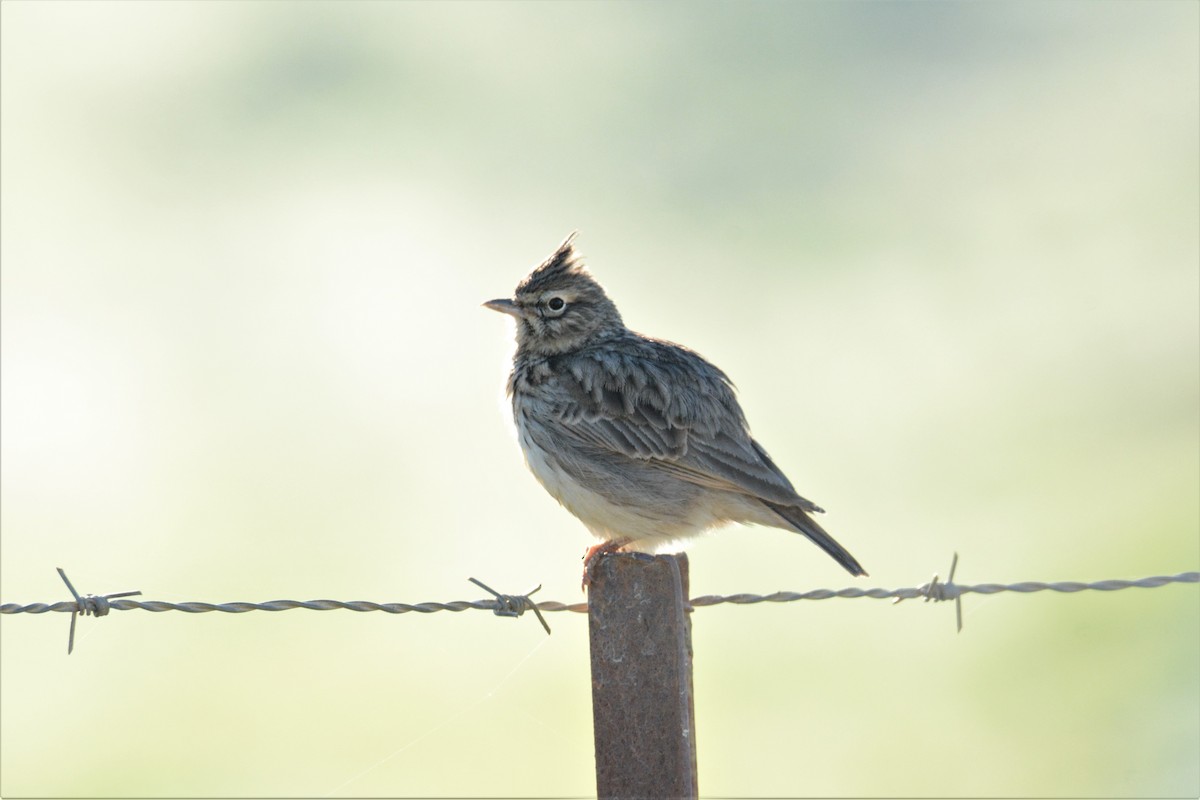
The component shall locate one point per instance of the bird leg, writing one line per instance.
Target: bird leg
(591, 559)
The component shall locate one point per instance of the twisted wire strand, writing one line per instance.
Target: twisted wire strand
(929, 591)
(514, 605)
(196, 607)
(949, 591)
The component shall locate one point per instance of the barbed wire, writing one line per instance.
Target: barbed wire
(506, 605)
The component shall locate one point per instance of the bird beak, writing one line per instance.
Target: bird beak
(505, 306)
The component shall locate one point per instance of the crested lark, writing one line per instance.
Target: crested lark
(641, 439)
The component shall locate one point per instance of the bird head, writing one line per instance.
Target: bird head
(559, 306)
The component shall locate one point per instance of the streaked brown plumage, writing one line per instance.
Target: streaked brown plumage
(641, 439)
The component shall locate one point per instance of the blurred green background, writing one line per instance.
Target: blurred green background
(949, 252)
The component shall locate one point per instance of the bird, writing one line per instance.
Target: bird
(642, 439)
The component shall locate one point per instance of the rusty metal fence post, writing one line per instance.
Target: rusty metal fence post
(642, 706)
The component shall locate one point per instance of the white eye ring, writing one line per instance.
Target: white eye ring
(556, 306)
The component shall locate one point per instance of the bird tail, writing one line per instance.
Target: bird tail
(798, 520)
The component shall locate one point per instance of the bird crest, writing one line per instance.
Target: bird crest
(557, 271)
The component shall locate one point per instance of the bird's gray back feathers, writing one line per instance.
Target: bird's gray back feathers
(658, 403)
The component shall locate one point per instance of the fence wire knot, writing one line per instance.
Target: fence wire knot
(93, 605)
(90, 605)
(937, 591)
(513, 605)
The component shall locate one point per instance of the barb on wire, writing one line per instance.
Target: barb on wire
(938, 591)
(89, 604)
(514, 605)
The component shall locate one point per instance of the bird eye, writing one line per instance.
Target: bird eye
(556, 304)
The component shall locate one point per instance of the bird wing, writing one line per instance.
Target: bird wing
(669, 408)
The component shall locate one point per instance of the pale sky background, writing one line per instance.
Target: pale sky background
(949, 253)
